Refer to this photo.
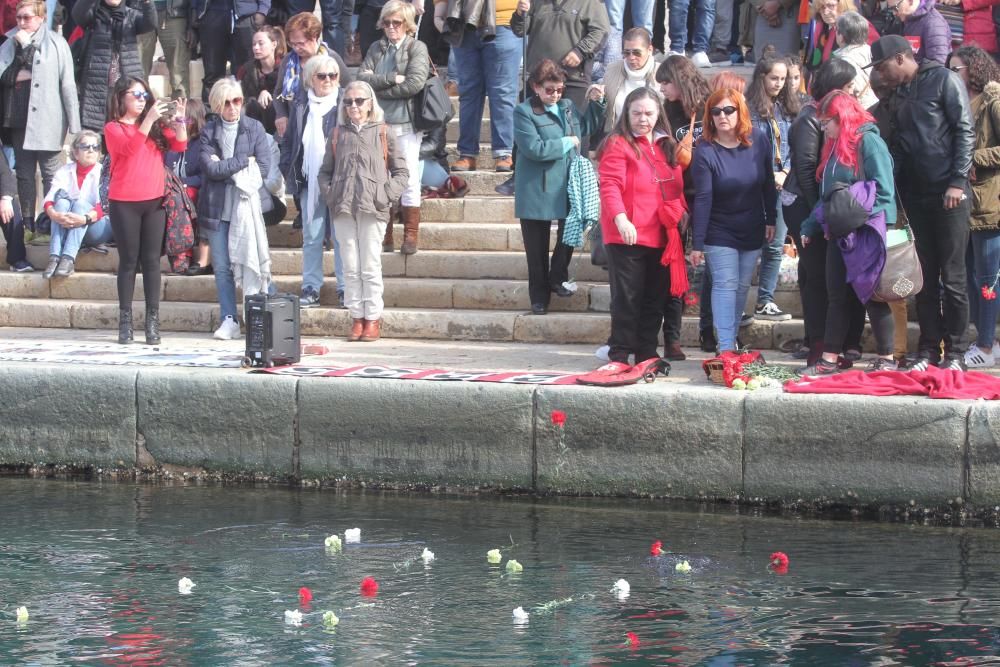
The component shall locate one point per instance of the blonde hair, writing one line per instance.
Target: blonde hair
(317, 62)
(223, 89)
(37, 6)
(86, 134)
(376, 115)
(406, 12)
(843, 6)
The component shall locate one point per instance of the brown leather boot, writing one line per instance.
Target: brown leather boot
(674, 352)
(372, 332)
(357, 328)
(387, 244)
(411, 226)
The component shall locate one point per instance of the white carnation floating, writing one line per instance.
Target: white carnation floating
(684, 567)
(427, 555)
(333, 543)
(293, 617)
(352, 535)
(621, 589)
(184, 586)
(22, 614)
(520, 615)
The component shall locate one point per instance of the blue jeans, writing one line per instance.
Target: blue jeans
(433, 175)
(642, 14)
(225, 285)
(67, 242)
(314, 233)
(983, 266)
(487, 69)
(732, 271)
(770, 261)
(704, 24)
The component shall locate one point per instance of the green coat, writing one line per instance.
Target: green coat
(542, 170)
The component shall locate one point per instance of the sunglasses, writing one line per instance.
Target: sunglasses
(326, 76)
(139, 94)
(635, 53)
(25, 17)
(355, 101)
(394, 23)
(235, 102)
(87, 147)
(718, 111)
(554, 91)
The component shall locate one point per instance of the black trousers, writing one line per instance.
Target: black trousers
(368, 29)
(27, 162)
(943, 303)
(215, 38)
(138, 227)
(13, 235)
(544, 276)
(641, 285)
(673, 313)
(242, 43)
(812, 272)
(843, 300)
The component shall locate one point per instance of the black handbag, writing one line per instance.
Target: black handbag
(431, 106)
(598, 253)
(842, 211)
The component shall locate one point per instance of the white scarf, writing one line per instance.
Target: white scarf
(314, 145)
(633, 79)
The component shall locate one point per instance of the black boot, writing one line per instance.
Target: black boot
(125, 327)
(152, 327)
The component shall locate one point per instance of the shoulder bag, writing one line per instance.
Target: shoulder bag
(431, 106)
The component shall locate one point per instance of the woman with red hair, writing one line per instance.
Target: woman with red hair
(734, 205)
(853, 153)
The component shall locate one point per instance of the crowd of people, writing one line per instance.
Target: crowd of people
(874, 108)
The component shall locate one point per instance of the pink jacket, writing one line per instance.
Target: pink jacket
(978, 21)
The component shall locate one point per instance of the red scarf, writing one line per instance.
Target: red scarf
(670, 214)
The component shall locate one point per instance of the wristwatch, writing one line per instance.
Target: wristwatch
(87, 220)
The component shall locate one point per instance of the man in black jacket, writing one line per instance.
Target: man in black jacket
(931, 146)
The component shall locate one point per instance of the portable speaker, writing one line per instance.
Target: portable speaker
(272, 324)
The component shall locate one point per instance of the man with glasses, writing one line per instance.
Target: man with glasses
(924, 27)
(931, 147)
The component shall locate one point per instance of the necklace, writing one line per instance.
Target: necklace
(656, 178)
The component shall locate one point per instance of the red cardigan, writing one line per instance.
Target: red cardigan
(137, 171)
(978, 21)
(628, 186)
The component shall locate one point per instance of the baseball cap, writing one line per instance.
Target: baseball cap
(888, 47)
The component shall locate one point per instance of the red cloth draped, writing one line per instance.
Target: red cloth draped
(670, 214)
(933, 383)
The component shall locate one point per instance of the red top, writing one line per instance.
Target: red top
(137, 171)
(629, 185)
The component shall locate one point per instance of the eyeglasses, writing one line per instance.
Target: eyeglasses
(635, 53)
(392, 23)
(558, 90)
(355, 101)
(25, 17)
(87, 147)
(298, 45)
(958, 68)
(824, 122)
(326, 76)
(139, 94)
(895, 8)
(718, 111)
(235, 102)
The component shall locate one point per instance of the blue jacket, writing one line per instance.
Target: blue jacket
(192, 163)
(251, 141)
(291, 143)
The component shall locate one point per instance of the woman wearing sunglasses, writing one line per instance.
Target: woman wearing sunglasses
(547, 132)
(137, 136)
(734, 205)
(396, 68)
(73, 204)
(635, 69)
(363, 172)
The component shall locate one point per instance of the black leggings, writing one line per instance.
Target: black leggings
(843, 301)
(138, 227)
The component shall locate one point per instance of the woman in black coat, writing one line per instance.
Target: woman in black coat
(112, 51)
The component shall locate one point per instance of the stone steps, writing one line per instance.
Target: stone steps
(433, 236)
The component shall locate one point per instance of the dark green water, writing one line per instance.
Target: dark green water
(97, 566)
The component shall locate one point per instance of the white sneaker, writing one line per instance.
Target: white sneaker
(602, 352)
(700, 59)
(228, 330)
(976, 358)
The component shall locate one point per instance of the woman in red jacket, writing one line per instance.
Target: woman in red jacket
(979, 27)
(137, 137)
(642, 203)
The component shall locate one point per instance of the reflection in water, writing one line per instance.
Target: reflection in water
(97, 565)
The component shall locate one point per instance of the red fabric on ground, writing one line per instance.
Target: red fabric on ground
(933, 383)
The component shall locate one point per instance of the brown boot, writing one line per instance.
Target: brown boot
(357, 328)
(674, 352)
(387, 242)
(411, 225)
(372, 332)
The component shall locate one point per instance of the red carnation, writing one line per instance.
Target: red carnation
(656, 549)
(305, 596)
(989, 293)
(690, 299)
(369, 587)
(631, 640)
(558, 417)
(779, 560)
(748, 357)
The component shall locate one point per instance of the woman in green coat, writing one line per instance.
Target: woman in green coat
(547, 132)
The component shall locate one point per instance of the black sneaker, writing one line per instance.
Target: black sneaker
(769, 311)
(921, 363)
(707, 341)
(882, 364)
(506, 188)
(21, 267)
(952, 362)
(746, 319)
(820, 368)
(309, 299)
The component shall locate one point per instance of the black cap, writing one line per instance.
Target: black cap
(887, 47)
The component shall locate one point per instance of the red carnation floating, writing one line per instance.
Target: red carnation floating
(305, 596)
(369, 587)
(656, 549)
(779, 562)
(558, 417)
(631, 640)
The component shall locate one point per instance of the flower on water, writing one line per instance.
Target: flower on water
(656, 549)
(520, 615)
(352, 535)
(779, 559)
(333, 542)
(683, 567)
(305, 596)
(631, 639)
(369, 587)
(184, 586)
(558, 417)
(330, 619)
(621, 589)
(293, 617)
(427, 555)
(22, 614)
(514, 566)
(493, 556)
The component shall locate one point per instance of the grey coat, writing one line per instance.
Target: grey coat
(412, 61)
(355, 179)
(53, 107)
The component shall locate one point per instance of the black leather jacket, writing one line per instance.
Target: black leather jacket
(932, 137)
(805, 143)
